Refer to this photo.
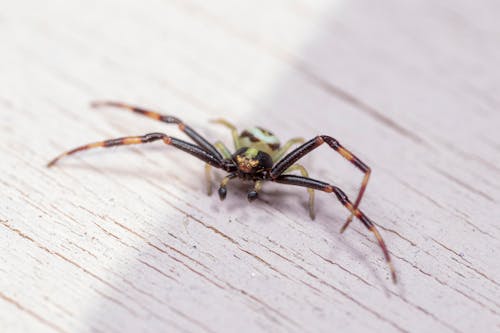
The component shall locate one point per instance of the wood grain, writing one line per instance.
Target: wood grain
(126, 240)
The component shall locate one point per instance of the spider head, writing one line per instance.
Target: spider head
(252, 161)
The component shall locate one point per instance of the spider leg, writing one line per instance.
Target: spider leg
(223, 149)
(234, 131)
(312, 144)
(304, 173)
(208, 169)
(223, 184)
(208, 178)
(132, 140)
(344, 200)
(282, 151)
(195, 136)
(254, 191)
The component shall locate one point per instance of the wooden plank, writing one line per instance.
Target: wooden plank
(127, 240)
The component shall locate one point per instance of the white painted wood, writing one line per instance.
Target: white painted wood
(126, 240)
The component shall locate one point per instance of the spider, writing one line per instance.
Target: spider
(259, 157)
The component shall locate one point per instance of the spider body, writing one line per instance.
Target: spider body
(258, 157)
(251, 161)
(256, 152)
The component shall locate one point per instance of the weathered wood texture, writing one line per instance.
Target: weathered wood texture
(126, 240)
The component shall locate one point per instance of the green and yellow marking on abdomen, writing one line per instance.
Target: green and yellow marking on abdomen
(259, 139)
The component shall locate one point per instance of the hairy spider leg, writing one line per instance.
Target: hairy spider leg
(234, 131)
(344, 200)
(195, 136)
(132, 140)
(304, 173)
(314, 143)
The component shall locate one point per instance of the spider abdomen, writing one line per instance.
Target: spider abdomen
(260, 139)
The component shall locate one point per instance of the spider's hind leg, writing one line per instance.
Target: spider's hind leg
(304, 173)
(208, 178)
(208, 170)
(234, 131)
(282, 151)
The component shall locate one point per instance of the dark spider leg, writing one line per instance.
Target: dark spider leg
(202, 142)
(132, 140)
(344, 200)
(312, 144)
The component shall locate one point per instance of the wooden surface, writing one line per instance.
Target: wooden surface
(126, 240)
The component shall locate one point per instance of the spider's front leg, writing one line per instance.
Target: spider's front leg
(312, 144)
(189, 131)
(344, 200)
(304, 173)
(151, 137)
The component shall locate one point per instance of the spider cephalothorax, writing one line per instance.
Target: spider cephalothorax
(252, 161)
(259, 157)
